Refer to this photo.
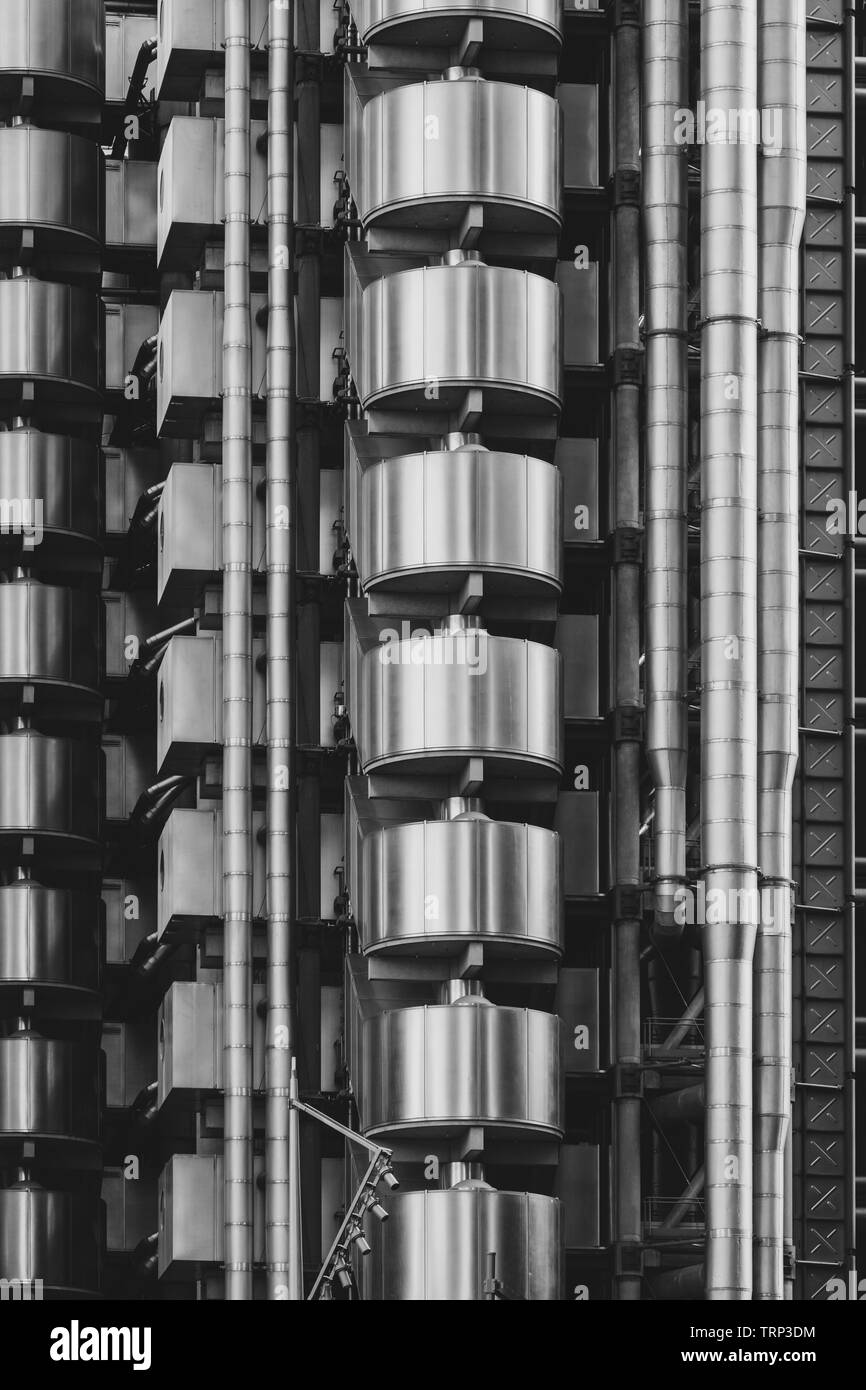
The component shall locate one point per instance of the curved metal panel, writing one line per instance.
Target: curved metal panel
(427, 516)
(60, 480)
(461, 1064)
(59, 43)
(52, 182)
(432, 148)
(50, 938)
(429, 335)
(435, 1244)
(50, 333)
(54, 1237)
(51, 1089)
(50, 636)
(49, 786)
(438, 884)
(430, 701)
(533, 24)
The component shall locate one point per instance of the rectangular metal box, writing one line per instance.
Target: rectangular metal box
(190, 871)
(191, 1040)
(189, 551)
(130, 205)
(577, 640)
(577, 1006)
(189, 374)
(190, 702)
(577, 815)
(577, 461)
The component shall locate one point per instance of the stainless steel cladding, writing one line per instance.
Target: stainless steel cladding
(440, 884)
(432, 148)
(51, 1091)
(468, 1063)
(52, 182)
(60, 44)
(50, 939)
(60, 478)
(54, 1237)
(729, 621)
(429, 519)
(434, 1246)
(49, 786)
(533, 24)
(665, 206)
(426, 335)
(429, 699)
(51, 334)
(50, 637)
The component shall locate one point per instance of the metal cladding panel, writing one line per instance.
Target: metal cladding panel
(457, 696)
(126, 328)
(577, 461)
(430, 334)
(579, 108)
(577, 1006)
(50, 635)
(124, 36)
(425, 517)
(432, 148)
(441, 884)
(49, 937)
(61, 43)
(531, 24)
(578, 642)
(51, 182)
(190, 198)
(51, 1088)
(434, 1246)
(577, 820)
(53, 1236)
(578, 1185)
(49, 786)
(61, 474)
(130, 204)
(466, 1064)
(50, 333)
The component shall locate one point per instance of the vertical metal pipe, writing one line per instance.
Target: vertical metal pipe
(665, 208)
(237, 502)
(283, 1254)
(729, 707)
(626, 653)
(782, 211)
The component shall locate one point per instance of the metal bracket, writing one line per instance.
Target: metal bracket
(627, 366)
(627, 547)
(626, 902)
(627, 724)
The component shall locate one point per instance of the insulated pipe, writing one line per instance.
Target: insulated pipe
(782, 211)
(237, 596)
(729, 706)
(283, 1247)
(625, 599)
(665, 208)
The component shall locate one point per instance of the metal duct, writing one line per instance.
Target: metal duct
(625, 512)
(729, 537)
(237, 500)
(283, 1254)
(782, 208)
(665, 200)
